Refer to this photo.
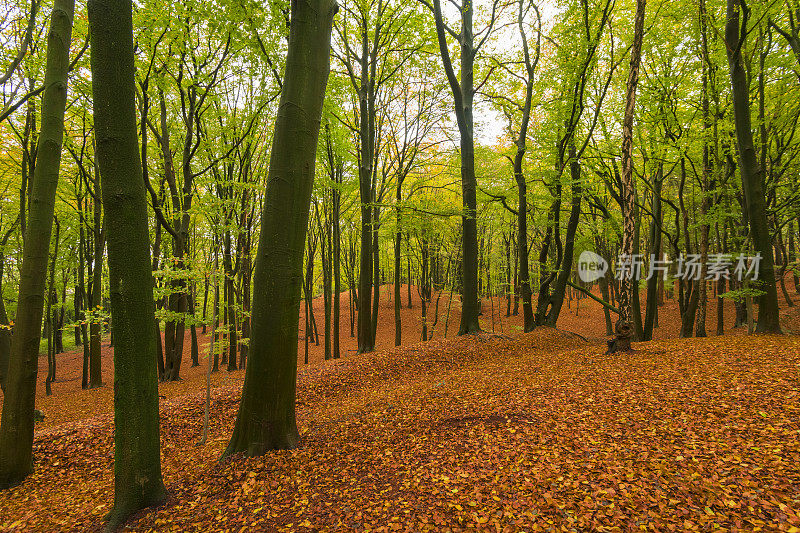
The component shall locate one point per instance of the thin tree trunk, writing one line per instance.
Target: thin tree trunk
(376, 277)
(603, 283)
(211, 351)
(398, 331)
(629, 283)
(195, 348)
(233, 332)
(50, 314)
(96, 328)
(463, 89)
(793, 258)
(408, 268)
(651, 305)
(5, 325)
(557, 298)
(244, 350)
(509, 290)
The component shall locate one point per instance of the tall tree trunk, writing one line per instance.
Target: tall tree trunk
(82, 248)
(408, 269)
(137, 466)
(266, 417)
(376, 274)
(424, 285)
(58, 338)
(366, 134)
(16, 429)
(398, 238)
(519, 177)
(706, 182)
(50, 314)
(463, 88)
(306, 306)
(629, 283)
(325, 240)
(28, 164)
(557, 298)
(751, 171)
(195, 349)
(636, 304)
(245, 273)
(5, 325)
(230, 304)
(522, 238)
(96, 328)
(651, 304)
(216, 336)
(337, 266)
(509, 288)
(365, 341)
(516, 288)
(76, 303)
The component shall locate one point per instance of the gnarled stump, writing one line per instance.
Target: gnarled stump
(622, 338)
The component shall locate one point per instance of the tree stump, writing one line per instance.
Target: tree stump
(622, 338)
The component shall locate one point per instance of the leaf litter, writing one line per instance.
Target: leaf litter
(539, 432)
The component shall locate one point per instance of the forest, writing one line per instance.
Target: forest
(400, 265)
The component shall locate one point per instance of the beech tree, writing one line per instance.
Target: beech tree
(16, 427)
(137, 456)
(266, 417)
(464, 89)
(630, 284)
(751, 170)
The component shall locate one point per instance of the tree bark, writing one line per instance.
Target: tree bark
(195, 349)
(50, 314)
(398, 238)
(266, 417)
(376, 273)
(629, 285)
(337, 266)
(96, 328)
(519, 175)
(463, 88)
(751, 171)
(16, 429)
(557, 298)
(651, 304)
(5, 325)
(137, 467)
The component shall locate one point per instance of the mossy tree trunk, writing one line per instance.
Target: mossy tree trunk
(16, 428)
(266, 418)
(137, 459)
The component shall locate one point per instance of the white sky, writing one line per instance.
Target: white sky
(490, 125)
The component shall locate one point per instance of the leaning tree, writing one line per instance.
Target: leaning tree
(266, 417)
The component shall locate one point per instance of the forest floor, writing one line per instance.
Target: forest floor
(529, 432)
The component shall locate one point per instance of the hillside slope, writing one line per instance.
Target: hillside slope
(535, 432)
